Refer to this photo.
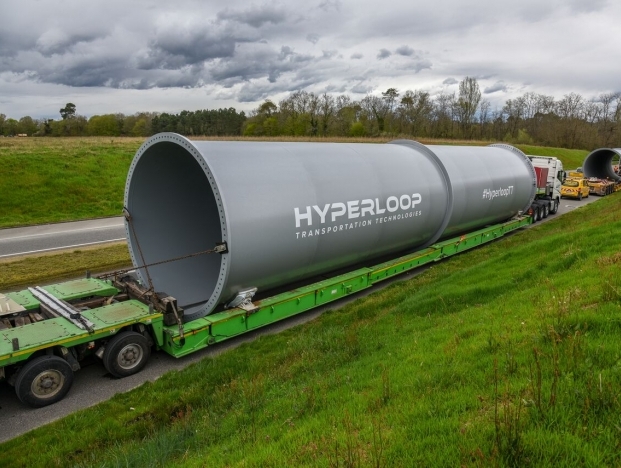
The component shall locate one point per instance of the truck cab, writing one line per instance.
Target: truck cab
(550, 175)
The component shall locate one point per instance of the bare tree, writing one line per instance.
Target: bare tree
(376, 110)
(326, 111)
(610, 113)
(513, 111)
(415, 110)
(571, 106)
(347, 112)
(443, 113)
(571, 110)
(484, 117)
(468, 103)
(313, 113)
(390, 97)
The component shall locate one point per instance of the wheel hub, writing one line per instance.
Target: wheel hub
(130, 356)
(47, 384)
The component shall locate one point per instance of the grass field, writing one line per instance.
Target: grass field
(47, 180)
(62, 179)
(30, 270)
(509, 355)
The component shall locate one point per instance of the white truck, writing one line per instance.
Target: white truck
(550, 176)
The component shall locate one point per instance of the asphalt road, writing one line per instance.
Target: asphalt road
(33, 240)
(92, 385)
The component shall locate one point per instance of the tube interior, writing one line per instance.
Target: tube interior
(599, 164)
(175, 213)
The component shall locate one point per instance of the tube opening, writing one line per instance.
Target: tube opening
(176, 212)
(599, 164)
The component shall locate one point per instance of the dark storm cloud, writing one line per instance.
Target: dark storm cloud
(335, 89)
(498, 86)
(174, 49)
(417, 66)
(85, 74)
(405, 51)
(255, 16)
(361, 88)
(256, 91)
(356, 56)
(11, 45)
(383, 53)
(450, 81)
(253, 93)
(258, 62)
(58, 42)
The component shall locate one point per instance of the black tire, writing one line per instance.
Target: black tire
(535, 214)
(43, 381)
(580, 196)
(554, 208)
(126, 354)
(545, 210)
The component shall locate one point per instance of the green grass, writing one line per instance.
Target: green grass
(47, 180)
(508, 355)
(571, 158)
(29, 271)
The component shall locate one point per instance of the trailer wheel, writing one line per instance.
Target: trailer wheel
(43, 381)
(126, 354)
(554, 206)
(546, 210)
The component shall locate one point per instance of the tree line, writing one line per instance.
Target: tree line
(570, 122)
(218, 122)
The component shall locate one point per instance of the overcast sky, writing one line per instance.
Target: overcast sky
(138, 55)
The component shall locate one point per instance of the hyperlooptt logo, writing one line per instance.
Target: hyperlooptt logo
(490, 194)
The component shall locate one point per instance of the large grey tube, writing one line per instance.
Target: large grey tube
(489, 186)
(290, 211)
(598, 163)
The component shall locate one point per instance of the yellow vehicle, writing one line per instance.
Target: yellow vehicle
(575, 188)
(601, 187)
(575, 175)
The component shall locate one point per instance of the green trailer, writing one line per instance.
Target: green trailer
(45, 333)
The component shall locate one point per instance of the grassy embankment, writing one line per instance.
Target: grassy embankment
(39, 270)
(508, 355)
(47, 180)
